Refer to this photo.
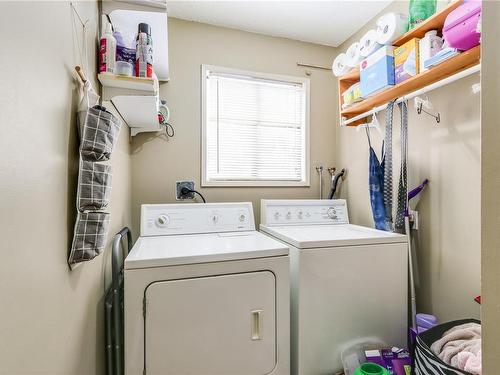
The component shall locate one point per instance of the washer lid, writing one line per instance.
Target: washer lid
(314, 236)
(202, 248)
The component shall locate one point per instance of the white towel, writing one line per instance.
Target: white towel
(461, 347)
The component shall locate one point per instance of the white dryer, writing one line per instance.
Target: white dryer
(206, 294)
(348, 283)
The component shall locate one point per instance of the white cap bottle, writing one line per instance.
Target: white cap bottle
(429, 45)
(107, 51)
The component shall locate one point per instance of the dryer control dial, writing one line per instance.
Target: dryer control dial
(162, 221)
(332, 213)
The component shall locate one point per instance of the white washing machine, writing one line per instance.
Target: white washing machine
(206, 294)
(348, 283)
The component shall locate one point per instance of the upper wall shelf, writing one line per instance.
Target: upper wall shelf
(137, 99)
(357, 113)
(125, 15)
(435, 22)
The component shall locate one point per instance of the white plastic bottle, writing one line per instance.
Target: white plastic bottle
(428, 46)
(107, 51)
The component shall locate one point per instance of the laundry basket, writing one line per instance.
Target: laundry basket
(428, 363)
(114, 306)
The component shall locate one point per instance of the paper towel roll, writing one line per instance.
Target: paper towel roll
(339, 66)
(390, 27)
(353, 58)
(368, 44)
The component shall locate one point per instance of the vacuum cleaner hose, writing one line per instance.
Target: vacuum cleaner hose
(335, 181)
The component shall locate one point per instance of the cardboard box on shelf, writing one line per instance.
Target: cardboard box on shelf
(406, 60)
(377, 71)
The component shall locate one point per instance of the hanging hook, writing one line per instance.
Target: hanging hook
(81, 74)
(367, 131)
(421, 103)
(420, 109)
(374, 123)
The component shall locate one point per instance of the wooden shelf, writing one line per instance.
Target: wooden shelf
(352, 76)
(435, 22)
(447, 68)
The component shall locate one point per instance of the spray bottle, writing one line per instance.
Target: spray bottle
(144, 52)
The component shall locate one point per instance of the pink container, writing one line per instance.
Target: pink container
(461, 26)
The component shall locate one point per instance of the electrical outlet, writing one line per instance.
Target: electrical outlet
(414, 219)
(178, 187)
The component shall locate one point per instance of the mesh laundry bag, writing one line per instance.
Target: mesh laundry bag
(428, 363)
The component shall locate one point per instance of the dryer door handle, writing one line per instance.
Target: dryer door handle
(256, 324)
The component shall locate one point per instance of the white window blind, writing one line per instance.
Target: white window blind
(255, 129)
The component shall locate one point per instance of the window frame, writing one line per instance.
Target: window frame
(305, 81)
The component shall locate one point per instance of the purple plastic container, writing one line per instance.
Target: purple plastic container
(460, 27)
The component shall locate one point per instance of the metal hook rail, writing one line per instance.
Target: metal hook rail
(464, 73)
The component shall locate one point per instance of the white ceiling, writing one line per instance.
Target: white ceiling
(323, 22)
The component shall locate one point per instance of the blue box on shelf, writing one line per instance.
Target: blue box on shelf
(377, 71)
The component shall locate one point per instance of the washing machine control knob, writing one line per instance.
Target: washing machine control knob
(215, 218)
(162, 221)
(242, 217)
(276, 215)
(288, 215)
(332, 213)
(300, 214)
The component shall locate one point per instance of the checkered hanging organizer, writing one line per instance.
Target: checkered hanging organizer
(98, 131)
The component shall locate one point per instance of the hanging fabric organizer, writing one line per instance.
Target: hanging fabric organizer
(98, 131)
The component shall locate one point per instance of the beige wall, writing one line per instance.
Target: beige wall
(490, 180)
(51, 318)
(157, 163)
(449, 155)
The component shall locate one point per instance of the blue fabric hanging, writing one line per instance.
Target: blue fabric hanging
(376, 183)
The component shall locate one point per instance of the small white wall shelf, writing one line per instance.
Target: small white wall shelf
(126, 15)
(128, 83)
(136, 99)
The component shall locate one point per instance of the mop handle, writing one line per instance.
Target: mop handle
(413, 299)
(416, 191)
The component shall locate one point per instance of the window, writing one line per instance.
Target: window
(255, 129)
